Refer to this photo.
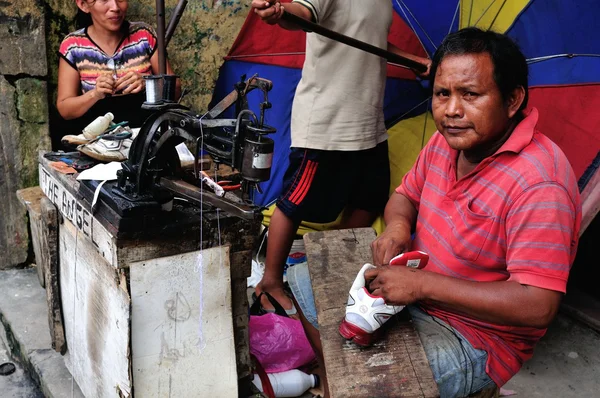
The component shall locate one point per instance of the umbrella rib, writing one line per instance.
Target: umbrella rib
(424, 130)
(548, 57)
(407, 112)
(497, 14)
(484, 12)
(470, 13)
(454, 17)
(401, 4)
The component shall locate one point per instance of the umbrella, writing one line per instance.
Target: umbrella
(557, 37)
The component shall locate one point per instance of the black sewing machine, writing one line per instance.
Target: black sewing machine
(153, 177)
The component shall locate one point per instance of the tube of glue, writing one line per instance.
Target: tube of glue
(219, 191)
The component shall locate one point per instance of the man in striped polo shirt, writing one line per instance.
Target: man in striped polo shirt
(495, 204)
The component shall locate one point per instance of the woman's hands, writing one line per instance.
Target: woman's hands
(105, 85)
(130, 83)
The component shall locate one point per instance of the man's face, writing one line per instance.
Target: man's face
(468, 108)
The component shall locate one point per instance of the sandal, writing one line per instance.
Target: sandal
(257, 309)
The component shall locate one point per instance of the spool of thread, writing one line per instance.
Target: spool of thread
(169, 85)
(154, 89)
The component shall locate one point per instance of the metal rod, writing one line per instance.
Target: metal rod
(192, 193)
(160, 33)
(174, 20)
(313, 27)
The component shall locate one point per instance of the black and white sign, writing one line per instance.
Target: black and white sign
(66, 203)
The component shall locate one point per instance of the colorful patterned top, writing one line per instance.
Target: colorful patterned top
(133, 54)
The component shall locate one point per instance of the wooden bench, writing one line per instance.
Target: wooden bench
(396, 366)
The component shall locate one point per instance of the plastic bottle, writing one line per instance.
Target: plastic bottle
(291, 383)
(97, 127)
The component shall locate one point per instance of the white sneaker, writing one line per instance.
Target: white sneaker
(81, 139)
(366, 313)
(110, 150)
(107, 151)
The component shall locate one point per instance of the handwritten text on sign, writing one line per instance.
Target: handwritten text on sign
(66, 203)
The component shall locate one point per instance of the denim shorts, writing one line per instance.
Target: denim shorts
(458, 368)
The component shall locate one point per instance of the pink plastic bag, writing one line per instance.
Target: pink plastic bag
(278, 342)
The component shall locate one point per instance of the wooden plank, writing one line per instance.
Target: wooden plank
(182, 341)
(96, 308)
(43, 219)
(50, 260)
(396, 366)
(30, 198)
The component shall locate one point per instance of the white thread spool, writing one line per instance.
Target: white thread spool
(154, 89)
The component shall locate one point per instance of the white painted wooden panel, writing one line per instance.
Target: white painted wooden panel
(182, 332)
(96, 310)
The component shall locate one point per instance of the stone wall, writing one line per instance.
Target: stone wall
(30, 34)
(23, 118)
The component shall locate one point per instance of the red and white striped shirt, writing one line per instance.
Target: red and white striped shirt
(515, 217)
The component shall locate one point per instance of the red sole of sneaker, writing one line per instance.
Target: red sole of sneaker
(355, 334)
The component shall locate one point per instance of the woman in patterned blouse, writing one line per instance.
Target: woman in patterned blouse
(101, 66)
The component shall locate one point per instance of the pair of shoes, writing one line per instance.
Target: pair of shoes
(257, 308)
(366, 313)
(112, 147)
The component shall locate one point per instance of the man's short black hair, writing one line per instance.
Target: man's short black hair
(510, 65)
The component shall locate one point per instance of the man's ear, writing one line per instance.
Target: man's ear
(83, 6)
(514, 101)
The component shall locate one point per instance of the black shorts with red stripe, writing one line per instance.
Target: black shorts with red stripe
(318, 185)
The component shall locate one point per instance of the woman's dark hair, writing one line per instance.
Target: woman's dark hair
(510, 65)
(82, 19)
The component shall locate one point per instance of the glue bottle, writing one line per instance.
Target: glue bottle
(97, 127)
(291, 383)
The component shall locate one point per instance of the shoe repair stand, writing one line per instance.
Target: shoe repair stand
(138, 312)
(396, 366)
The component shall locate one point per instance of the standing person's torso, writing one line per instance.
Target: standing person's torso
(339, 101)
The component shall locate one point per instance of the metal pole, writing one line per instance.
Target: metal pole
(160, 32)
(313, 27)
(174, 21)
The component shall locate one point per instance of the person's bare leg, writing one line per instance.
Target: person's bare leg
(357, 218)
(282, 231)
(314, 338)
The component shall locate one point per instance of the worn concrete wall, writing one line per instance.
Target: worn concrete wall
(23, 118)
(203, 37)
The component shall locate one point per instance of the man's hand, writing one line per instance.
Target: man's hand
(105, 85)
(132, 82)
(426, 73)
(398, 285)
(393, 241)
(269, 11)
